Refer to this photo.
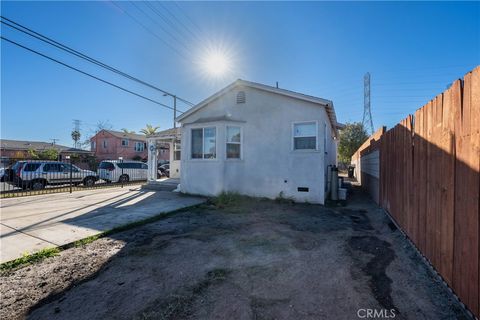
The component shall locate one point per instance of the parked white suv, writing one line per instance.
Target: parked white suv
(38, 174)
(122, 170)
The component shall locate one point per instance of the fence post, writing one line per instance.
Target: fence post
(70, 161)
(121, 176)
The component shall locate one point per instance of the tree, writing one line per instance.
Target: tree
(351, 138)
(101, 125)
(76, 137)
(47, 154)
(149, 129)
(32, 154)
(127, 131)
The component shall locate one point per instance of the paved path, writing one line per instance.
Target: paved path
(28, 224)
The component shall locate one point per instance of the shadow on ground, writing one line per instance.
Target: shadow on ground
(254, 259)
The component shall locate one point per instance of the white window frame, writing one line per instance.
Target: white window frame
(203, 145)
(139, 144)
(126, 142)
(293, 136)
(177, 147)
(240, 143)
(93, 146)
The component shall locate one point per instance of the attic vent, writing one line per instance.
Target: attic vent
(241, 97)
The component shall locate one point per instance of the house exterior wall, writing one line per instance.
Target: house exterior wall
(268, 166)
(114, 148)
(370, 174)
(174, 168)
(367, 164)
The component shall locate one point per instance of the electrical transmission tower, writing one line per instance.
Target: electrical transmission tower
(367, 113)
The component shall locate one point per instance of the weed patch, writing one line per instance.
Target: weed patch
(226, 200)
(30, 258)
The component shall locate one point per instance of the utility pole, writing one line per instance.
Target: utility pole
(174, 108)
(174, 111)
(54, 141)
(367, 113)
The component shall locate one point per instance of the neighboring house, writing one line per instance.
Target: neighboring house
(110, 145)
(260, 141)
(18, 149)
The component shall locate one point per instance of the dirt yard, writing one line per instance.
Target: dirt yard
(254, 259)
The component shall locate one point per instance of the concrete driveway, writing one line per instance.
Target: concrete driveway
(28, 224)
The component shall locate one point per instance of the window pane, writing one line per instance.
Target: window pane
(197, 146)
(209, 138)
(106, 165)
(52, 167)
(177, 155)
(233, 151)
(305, 143)
(304, 130)
(31, 167)
(233, 134)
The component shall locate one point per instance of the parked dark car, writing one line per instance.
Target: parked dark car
(164, 170)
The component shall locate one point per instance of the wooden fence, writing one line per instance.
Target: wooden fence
(430, 183)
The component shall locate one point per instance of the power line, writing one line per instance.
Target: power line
(148, 30)
(139, 8)
(87, 74)
(178, 20)
(70, 50)
(196, 26)
(166, 20)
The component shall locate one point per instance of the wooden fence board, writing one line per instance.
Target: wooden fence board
(430, 210)
(451, 102)
(422, 191)
(430, 183)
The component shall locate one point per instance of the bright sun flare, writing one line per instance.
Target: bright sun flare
(216, 64)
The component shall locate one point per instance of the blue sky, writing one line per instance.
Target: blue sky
(413, 50)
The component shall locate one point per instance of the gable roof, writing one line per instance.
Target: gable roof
(243, 83)
(37, 145)
(124, 135)
(171, 133)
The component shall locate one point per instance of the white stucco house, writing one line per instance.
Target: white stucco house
(256, 140)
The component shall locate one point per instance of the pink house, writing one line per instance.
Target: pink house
(110, 145)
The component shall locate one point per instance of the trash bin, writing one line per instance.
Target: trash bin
(350, 171)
